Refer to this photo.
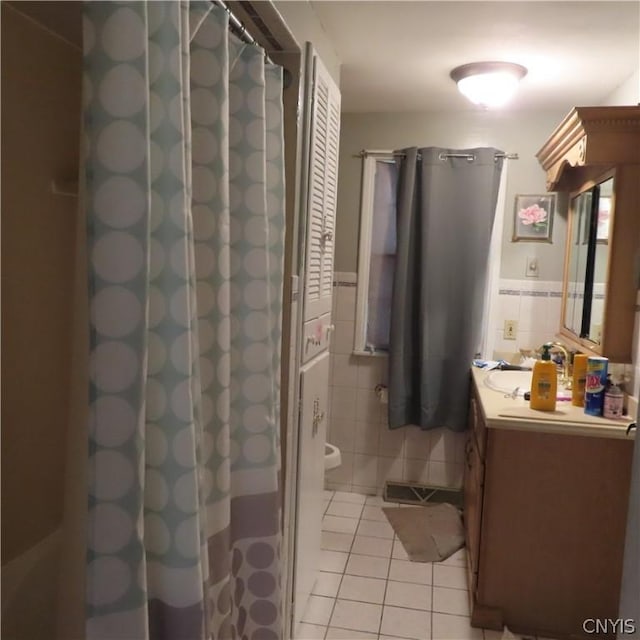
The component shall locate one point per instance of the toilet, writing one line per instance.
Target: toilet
(332, 457)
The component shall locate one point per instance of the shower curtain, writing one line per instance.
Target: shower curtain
(445, 209)
(185, 205)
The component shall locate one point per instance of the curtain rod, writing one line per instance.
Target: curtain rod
(234, 23)
(469, 156)
(239, 29)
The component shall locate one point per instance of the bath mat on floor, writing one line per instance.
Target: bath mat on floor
(429, 533)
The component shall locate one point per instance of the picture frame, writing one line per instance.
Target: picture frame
(533, 217)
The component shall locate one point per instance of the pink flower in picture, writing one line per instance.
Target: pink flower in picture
(533, 215)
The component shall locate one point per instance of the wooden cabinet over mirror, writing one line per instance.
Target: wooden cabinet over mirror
(594, 156)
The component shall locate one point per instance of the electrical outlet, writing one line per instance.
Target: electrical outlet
(533, 270)
(510, 329)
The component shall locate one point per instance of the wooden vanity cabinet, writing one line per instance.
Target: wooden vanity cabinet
(545, 518)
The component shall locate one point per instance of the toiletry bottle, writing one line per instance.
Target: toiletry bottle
(613, 400)
(578, 379)
(544, 382)
(595, 385)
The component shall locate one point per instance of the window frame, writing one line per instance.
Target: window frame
(367, 193)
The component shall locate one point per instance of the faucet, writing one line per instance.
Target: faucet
(565, 374)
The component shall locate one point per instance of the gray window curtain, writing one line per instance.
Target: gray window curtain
(445, 210)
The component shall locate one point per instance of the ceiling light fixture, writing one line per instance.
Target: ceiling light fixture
(488, 84)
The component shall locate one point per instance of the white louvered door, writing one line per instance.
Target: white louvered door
(323, 182)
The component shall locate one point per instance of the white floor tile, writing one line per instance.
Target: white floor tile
(375, 529)
(455, 601)
(448, 627)
(452, 577)
(333, 561)
(334, 541)
(398, 551)
(369, 546)
(498, 635)
(406, 623)
(327, 584)
(344, 509)
(344, 496)
(306, 631)
(362, 589)
(409, 595)
(381, 637)
(328, 494)
(318, 610)
(373, 512)
(359, 616)
(334, 633)
(367, 566)
(404, 571)
(377, 501)
(339, 525)
(459, 559)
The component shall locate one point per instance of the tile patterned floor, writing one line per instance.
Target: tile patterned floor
(368, 588)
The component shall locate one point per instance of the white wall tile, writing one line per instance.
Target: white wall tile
(508, 309)
(368, 406)
(344, 473)
(366, 440)
(346, 303)
(417, 442)
(366, 491)
(343, 337)
(343, 406)
(365, 470)
(416, 471)
(390, 441)
(532, 312)
(342, 435)
(344, 371)
(445, 445)
(389, 469)
(445, 474)
(372, 371)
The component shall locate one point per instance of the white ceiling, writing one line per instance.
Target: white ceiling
(397, 55)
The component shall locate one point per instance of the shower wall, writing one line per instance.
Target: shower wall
(40, 138)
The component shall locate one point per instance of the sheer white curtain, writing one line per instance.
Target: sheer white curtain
(494, 260)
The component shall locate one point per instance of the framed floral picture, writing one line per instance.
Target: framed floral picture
(533, 218)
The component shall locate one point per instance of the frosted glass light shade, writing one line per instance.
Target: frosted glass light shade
(489, 84)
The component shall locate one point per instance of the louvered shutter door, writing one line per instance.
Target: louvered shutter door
(323, 182)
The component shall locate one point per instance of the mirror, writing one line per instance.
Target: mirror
(590, 217)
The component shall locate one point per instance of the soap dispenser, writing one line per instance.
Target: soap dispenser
(544, 382)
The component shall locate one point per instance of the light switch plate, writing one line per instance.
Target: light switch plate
(533, 268)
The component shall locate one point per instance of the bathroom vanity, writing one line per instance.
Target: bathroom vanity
(546, 497)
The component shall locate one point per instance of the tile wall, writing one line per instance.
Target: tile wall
(535, 306)
(373, 454)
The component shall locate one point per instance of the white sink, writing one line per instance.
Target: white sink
(332, 457)
(507, 381)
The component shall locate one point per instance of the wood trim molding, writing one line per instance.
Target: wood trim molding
(603, 136)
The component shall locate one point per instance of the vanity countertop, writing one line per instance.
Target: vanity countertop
(502, 412)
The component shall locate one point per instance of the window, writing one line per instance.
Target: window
(377, 253)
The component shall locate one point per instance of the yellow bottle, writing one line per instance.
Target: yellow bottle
(578, 379)
(544, 382)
